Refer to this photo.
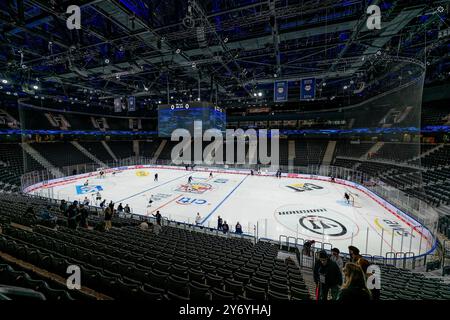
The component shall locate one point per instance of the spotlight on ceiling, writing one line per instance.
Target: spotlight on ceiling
(106, 60)
(345, 87)
(4, 81)
(225, 40)
(178, 51)
(35, 87)
(260, 94)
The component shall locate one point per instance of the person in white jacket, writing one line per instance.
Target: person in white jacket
(198, 219)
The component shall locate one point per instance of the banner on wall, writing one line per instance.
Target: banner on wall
(117, 104)
(280, 91)
(132, 103)
(308, 89)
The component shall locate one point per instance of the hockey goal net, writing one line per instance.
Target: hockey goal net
(354, 199)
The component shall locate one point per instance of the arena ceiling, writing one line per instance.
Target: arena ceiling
(230, 49)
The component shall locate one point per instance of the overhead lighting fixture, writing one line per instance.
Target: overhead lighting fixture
(225, 40)
(145, 88)
(4, 81)
(178, 51)
(35, 87)
(198, 99)
(345, 87)
(106, 60)
(16, 94)
(260, 94)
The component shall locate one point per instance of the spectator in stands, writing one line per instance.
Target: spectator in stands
(158, 217)
(330, 277)
(102, 204)
(29, 213)
(307, 247)
(120, 208)
(316, 277)
(46, 216)
(219, 223)
(354, 254)
(355, 257)
(354, 288)
(72, 214)
(198, 219)
(127, 209)
(225, 227)
(86, 201)
(108, 218)
(84, 214)
(335, 256)
(143, 226)
(63, 206)
(156, 229)
(238, 228)
(111, 205)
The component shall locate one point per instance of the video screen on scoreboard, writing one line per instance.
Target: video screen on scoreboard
(183, 115)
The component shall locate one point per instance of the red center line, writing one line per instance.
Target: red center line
(165, 204)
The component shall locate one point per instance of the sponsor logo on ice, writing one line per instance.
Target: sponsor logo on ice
(88, 189)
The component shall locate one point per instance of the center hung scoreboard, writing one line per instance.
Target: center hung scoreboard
(182, 116)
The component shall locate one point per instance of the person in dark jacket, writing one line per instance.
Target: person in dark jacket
(72, 214)
(63, 206)
(84, 213)
(158, 217)
(30, 214)
(330, 277)
(219, 223)
(225, 227)
(354, 288)
(238, 228)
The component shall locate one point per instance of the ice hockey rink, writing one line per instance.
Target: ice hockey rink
(304, 208)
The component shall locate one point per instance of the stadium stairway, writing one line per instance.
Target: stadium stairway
(377, 146)
(426, 153)
(88, 154)
(41, 160)
(111, 153)
(329, 153)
